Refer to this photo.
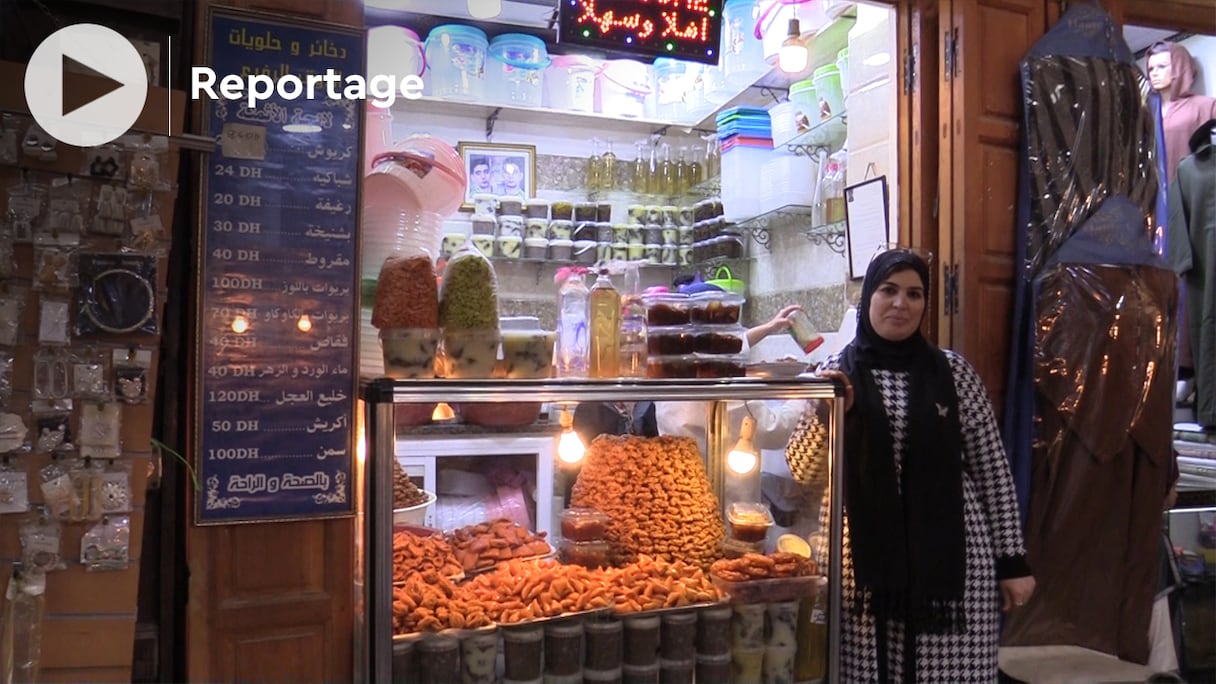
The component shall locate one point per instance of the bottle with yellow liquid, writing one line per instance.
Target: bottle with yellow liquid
(604, 319)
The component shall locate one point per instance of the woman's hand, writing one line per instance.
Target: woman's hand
(839, 376)
(779, 324)
(1016, 591)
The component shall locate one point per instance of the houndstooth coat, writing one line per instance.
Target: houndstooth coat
(992, 531)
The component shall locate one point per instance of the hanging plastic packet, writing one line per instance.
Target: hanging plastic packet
(89, 377)
(85, 475)
(53, 270)
(109, 210)
(14, 486)
(64, 219)
(52, 424)
(117, 294)
(54, 315)
(148, 166)
(145, 232)
(106, 162)
(12, 433)
(114, 492)
(51, 374)
(6, 375)
(99, 436)
(8, 252)
(107, 545)
(25, 206)
(38, 144)
(131, 374)
(40, 543)
(8, 139)
(12, 303)
(58, 494)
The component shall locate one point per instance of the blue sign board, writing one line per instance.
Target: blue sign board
(278, 290)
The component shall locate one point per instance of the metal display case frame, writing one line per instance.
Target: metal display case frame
(373, 613)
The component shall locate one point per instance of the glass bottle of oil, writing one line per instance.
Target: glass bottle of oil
(604, 317)
(633, 325)
(607, 177)
(667, 172)
(641, 169)
(593, 166)
(683, 173)
(654, 183)
(696, 172)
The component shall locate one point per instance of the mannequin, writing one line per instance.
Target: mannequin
(1171, 72)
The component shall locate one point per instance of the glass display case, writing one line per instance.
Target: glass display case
(660, 562)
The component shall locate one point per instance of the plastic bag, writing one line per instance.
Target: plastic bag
(468, 314)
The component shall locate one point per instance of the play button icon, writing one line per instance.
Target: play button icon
(93, 111)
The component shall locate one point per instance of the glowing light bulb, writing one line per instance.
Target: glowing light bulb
(240, 324)
(304, 324)
(792, 57)
(485, 9)
(570, 448)
(743, 459)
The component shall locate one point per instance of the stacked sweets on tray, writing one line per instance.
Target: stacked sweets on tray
(695, 335)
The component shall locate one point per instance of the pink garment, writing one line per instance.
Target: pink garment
(1185, 112)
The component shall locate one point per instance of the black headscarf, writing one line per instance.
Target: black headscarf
(905, 525)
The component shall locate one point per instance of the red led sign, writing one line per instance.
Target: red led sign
(680, 29)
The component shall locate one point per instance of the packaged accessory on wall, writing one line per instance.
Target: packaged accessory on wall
(100, 425)
(107, 545)
(51, 373)
(89, 377)
(12, 302)
(105, 161)
(12, 433)
(6, 376)
(109, 211)
(117, 294)
(115, 495)
(148, 161)
(26, 202)
(8, 139)
(55, 483)
(64, 219)
(131, 374)
(54, 314)
(38, 144)
(52, 425)
(8, 253)
(40, 541)
(14, 486)
(86, 486)
(53, 270)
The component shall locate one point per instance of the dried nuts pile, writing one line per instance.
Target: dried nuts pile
(657, 496)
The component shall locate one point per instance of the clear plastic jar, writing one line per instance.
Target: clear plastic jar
(564, 648)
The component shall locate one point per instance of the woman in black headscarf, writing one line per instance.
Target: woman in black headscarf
(933, 546)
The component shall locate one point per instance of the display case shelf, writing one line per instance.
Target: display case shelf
(383, 396)
(830, 235)
(824, 136)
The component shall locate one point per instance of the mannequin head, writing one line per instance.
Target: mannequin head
(1171, 70)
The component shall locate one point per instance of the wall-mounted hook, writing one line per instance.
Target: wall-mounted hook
(490, 121)
(765, 90)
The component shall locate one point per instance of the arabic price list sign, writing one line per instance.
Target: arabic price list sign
(276, 430)
(688, 29)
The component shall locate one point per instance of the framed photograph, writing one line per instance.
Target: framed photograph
(498, 169)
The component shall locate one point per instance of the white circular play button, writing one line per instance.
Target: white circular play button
(100, 108)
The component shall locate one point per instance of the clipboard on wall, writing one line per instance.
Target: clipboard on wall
(867, 223)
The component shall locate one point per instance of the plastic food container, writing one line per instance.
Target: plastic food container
(585, 212)
(842, 65)
(670, 341)
(484, 244)
(613, 676)
(652, 234)
(653, 253)
(515, 69)
(671, 86)
(679, 638)
(409, 353)
(748, 664)
(452, 242)
(509, 246)
(394, 50)
(749, 522)
(603, 212)
(806, 105)
(583, 524)
(718, 339)
(716, 308)
(642, 641)
(522, 651)
(636, 213)
(510, 206)
(564, 230)
(783, 624)
(456, 62)
(511, 225)
(720, 366)
(439, 661)
(671, 367)
(733, 548)
(536, 248)
(562, 211)
(713, 631)
(763, 591)
(828, 90)
(640, 674)
(405, 662)
(622, 88)
(484, 224)
(742, 53)
(784, 117)
(677, 671)
(589, 554)
(470, 353)
(570, 83)
(536, 228)
(478, 657)
(604, 232)
(713, 668)
(536, 209)
(527, 350)
(605, 645)
(564, 648)
(667, 309)
(561, 250)
(584, 252)
(485, 203)
(620, 250)
(747, 627)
